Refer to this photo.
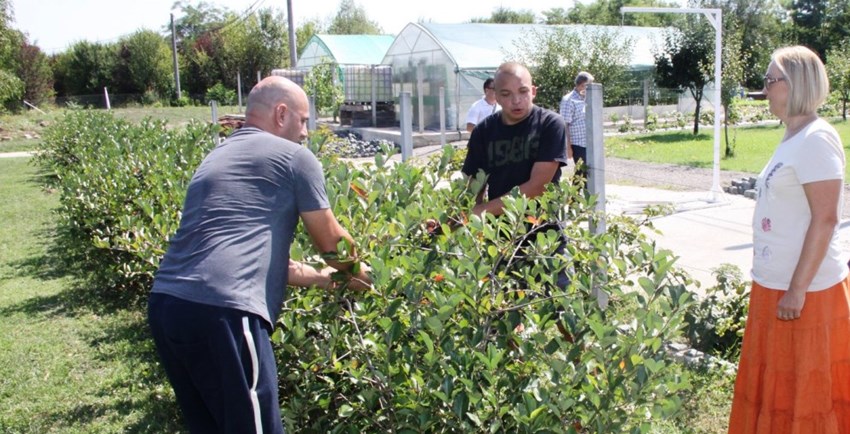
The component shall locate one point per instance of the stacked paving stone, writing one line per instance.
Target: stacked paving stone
(744, 186)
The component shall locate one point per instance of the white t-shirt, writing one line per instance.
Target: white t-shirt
(480, 110)
(782, 213)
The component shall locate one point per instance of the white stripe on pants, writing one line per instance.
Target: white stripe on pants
(255, 400)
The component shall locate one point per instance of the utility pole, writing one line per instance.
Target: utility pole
(293, 56)
(174, 58)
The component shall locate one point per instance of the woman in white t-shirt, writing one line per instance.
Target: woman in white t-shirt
(794, 373)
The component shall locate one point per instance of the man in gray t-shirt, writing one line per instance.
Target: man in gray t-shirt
(220, 286)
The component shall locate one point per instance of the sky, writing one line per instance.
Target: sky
(55, 25)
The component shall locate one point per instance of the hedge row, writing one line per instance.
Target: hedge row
(449, 339)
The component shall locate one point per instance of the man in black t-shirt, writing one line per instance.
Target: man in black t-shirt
(522, 145)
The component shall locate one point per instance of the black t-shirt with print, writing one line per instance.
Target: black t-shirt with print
(506, 153)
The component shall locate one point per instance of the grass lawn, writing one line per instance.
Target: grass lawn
(71, 359)
(754, 146)
(21, 132)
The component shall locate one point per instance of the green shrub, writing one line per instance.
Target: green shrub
(435, 346)
(121, 189)
(448, 340)
(715, 325)
(626, 125)
(221, 94)
(183, 101)
(11, 91)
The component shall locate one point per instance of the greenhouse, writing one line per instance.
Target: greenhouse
(457, 58)
(344, 50)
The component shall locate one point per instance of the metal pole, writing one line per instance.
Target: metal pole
(106, 97)
(715, 17)
(442, 116)
(214, 111)
(645, 102)
(259, 77)
(293, 56)
(716, 190)
(311, 122)
(419, 86)
(406, 126)
(595, 155)
(374, 97)
(239, 89)
(174, 57)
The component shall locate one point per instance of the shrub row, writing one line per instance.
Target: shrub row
(449, 339)
(121, 189)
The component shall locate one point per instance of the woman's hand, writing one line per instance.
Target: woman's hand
(791, 305)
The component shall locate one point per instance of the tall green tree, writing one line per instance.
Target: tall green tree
(838, 68)
(351, 19)
(503, 15)
(758, 26)
(194, 21)
(36, 74)
(556, 55)
(820, 24)
(732, 77)
(144, 65)
(686, 61)
(86, 68)
(11, 87)
(257, 43)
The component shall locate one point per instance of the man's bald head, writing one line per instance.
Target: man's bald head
(278, 106)
(514, 92)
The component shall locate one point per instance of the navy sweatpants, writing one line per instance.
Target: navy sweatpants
(580, 159)
(220, 363)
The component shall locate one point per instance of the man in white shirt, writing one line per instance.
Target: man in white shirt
(484, 107)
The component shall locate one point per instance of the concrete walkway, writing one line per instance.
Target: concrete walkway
(15, 154)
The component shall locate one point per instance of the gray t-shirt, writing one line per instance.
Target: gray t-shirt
(239, 219)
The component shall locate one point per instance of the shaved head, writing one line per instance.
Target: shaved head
(278, 106)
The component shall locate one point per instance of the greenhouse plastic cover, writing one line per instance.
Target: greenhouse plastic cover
(484, 46)
(345, 49)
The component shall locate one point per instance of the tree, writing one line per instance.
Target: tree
(503, 15)
(351, 19)
(195, 21)
(607, 13)
(11, 87)
(838, 68)
(685, 61)
(85, 68)
(36, 74)
(732, 69)
(304, 32)
(555, 16)
(820, 24)
(144, 65)
(758, 24)
(556, 55)
(320, 83)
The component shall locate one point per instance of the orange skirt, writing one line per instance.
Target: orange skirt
(794, 376)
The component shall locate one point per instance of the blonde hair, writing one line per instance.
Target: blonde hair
(808, 84)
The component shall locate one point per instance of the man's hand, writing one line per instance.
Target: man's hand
(358, 281)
